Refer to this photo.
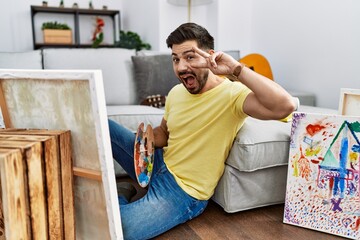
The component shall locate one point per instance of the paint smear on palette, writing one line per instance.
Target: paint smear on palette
(144, 147)
(323, 188)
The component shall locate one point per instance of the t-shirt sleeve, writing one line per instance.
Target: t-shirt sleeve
(168, 103)
(239, 94)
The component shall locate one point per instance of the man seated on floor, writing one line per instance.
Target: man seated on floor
(202, 117)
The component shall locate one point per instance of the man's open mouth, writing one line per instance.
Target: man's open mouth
(188, 79)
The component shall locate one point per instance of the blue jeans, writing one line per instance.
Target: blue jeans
(165, 204)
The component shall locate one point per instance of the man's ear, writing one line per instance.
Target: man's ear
(211, 51)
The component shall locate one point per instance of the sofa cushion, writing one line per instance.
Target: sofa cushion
(238, 191)
(115, 64)
(132, 115)
(21, 60)
(260, 144)
(153, 75)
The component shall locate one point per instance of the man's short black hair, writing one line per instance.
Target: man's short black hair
(191, 31)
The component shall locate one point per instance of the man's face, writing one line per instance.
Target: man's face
(194, 79)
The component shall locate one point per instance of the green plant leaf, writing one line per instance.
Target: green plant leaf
(54, 25)
(99, 40)
(131, 40)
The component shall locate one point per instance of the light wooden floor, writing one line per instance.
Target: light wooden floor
(214, 223)
(257, 224)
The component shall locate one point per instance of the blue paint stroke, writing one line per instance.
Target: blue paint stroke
(344, 148)
(308, 140)
(355, 148)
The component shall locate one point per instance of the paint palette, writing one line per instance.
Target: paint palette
(144, 147)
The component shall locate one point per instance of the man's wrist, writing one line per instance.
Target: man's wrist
(237, 70)
(236, 73)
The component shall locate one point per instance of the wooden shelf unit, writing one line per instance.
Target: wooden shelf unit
(76, 12)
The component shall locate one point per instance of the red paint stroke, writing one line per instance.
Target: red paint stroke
(357, 224)
(315, 161)
(304, 165)
(331, 184)
(313, 129)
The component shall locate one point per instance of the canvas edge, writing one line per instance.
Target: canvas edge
(288, 173)
(342, 100)
(107, 165)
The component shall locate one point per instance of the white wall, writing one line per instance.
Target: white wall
(234, 26)
(312, 45)
(142, 17)
(15, 26)
(154, 20)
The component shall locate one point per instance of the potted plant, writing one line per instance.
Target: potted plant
(131, 40)
(58, 33)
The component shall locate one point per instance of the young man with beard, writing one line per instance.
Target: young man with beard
(202, 117)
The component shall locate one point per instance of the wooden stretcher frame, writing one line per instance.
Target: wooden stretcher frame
(349, 103)
(57, 172)
(71, 100)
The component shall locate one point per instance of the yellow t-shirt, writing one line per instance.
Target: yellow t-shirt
(202, 129)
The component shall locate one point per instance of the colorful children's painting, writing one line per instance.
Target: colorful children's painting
(323, 186)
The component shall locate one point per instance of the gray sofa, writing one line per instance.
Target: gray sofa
(256, 169)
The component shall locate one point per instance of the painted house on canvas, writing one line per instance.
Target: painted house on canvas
(323, 186)
(338, 170)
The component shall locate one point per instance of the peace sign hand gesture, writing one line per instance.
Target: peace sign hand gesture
(219, 63)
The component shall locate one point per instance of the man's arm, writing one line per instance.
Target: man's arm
(161, 134)
(268, 99)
